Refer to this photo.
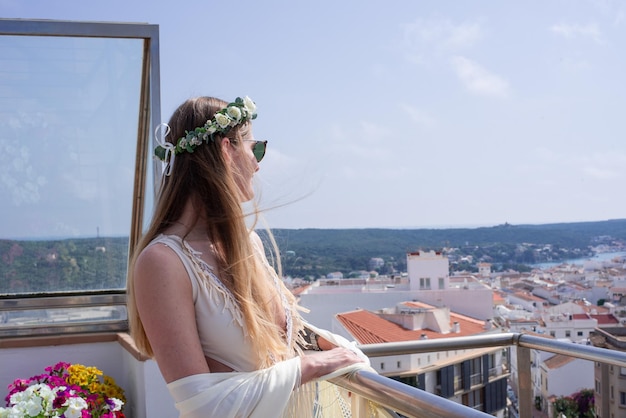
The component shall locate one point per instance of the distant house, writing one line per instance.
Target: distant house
(527, 301)
(337, 275)
(375, 263)
(484, 269)
(428, 270)
(563, 375)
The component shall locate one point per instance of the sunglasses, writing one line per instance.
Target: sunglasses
(258, 149)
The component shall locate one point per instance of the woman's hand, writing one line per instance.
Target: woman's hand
(320, 363)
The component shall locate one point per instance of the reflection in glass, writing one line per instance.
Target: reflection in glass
(44, 317)
(68, 134)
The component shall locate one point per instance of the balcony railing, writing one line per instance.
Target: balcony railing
(412, 402)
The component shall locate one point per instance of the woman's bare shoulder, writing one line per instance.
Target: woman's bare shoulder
(159, 261)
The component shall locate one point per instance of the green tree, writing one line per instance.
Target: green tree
(565, 405)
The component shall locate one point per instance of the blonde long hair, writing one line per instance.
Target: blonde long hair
(204, 178)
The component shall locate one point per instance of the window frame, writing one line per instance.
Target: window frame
(148, 113)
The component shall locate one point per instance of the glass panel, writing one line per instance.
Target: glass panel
(68, 134)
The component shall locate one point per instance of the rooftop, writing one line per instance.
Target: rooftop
(368, 328)
(558, 360)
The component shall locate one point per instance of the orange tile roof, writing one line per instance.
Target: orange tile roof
(298, 290)
(605, 319)
(368, 328)
(416, 304)
(497, 298)
(558, 360)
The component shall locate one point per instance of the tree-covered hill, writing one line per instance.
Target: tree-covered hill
(319, 251)
(29, 266)
(62, 265)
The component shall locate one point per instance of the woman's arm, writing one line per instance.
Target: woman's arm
(321, 363)
(164, 300)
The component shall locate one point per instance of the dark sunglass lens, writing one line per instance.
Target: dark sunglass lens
(259, 150)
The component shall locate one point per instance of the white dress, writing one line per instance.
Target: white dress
(247, 391)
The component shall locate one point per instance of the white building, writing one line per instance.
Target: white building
(574, 327)
(326, 298)
(527, 301)
(484, 269)
(563, 375)
(428, 270)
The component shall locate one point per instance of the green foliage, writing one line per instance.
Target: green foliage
(565, 405)
(316, 252)
(63, 265)
(100, 263)
(578, 405)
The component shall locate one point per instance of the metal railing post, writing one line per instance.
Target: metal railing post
(524, 382)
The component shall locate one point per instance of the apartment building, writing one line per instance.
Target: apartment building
(609, 380)
(476, 378)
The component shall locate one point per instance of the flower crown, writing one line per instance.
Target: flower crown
(236, 113)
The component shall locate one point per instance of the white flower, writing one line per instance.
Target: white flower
(11, 413)
(33, 407)
(235, 113)
(211, 129)
(18, 397)
(249, 105)
(47, 394)
(118, 404)
(222, 120)
(195, 141)
(74, 407)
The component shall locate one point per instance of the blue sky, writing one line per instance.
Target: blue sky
(405, 113)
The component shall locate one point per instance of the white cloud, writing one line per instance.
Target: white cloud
(478, 80)
(603, 165)
(372, 131)
(425, 38)
(598, 165)
(443, 34)
(571, 31)
(599, 173)
(419, 116)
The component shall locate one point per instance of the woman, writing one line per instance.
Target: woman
(204, 301)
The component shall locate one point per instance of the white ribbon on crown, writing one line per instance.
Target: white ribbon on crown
(160, 133)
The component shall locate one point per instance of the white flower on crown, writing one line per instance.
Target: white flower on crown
(235, 113)
(222, 120)
(249, 105)
(240, 111)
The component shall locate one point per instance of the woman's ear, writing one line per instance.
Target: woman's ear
(226, 149)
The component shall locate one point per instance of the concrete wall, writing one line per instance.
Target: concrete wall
(146, 392)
